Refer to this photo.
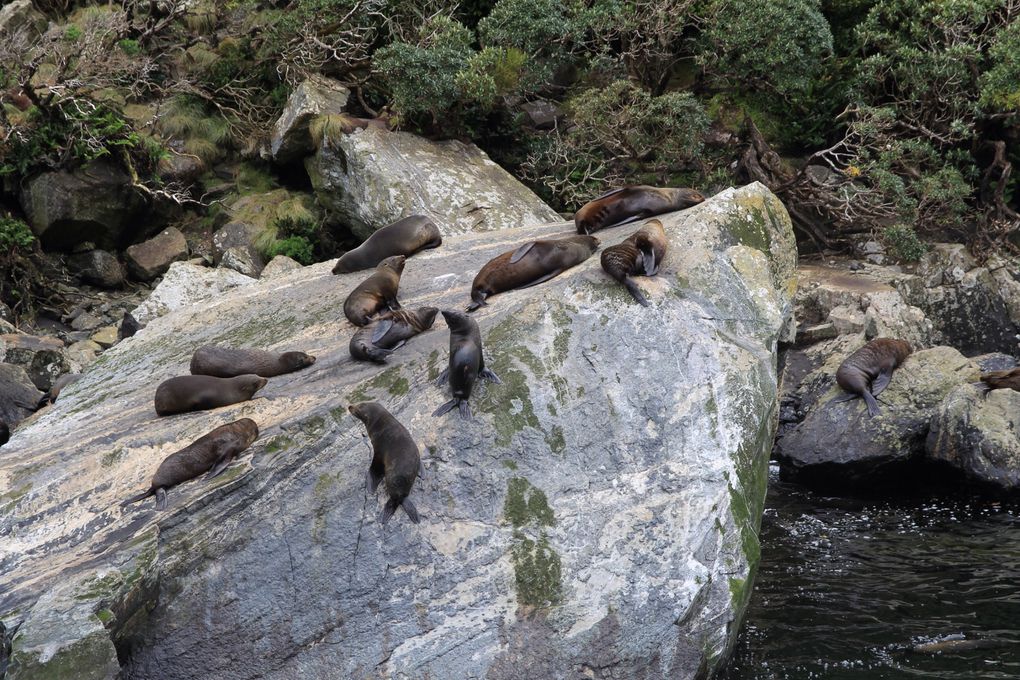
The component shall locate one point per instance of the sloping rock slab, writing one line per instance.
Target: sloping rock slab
(599, 512)
(186, 284)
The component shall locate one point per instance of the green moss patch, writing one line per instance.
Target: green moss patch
(537, 567)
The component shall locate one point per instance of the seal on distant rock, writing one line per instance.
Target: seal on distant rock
(1008, 379)
(621, 206)
(128, 326)
(395, 457)
(533, 263)
(200, 392)
(211, 453)
(61, 382)
(638, 255)
(404, 237)
(224, 362)
(867, 372)
(389, 332)
(466, 362)
(376, 293)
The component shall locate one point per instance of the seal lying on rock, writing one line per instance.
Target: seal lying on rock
(224, 362)
(376, 293)
(867, 372)
(200, 392)
(404, 237)
(395, 457)
(639, 255)
(211, 452)
(389, 332)
(1008, 379)
(530, 265)
(628, 204)
(466, 362)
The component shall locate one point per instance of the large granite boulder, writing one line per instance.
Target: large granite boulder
(599, 512)
(291, 140)
(979, 435)
(373, 177)
(151, 258)
(186, 284)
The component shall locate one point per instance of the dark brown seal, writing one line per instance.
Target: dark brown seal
(376, 293)
(200, 392)
(466, 362)
(395, 457)
(621, 206)
(867, 372)
(54, 392)
(1008, 379)
(211, 452)
(404, 237)
(639, 255)
(531, 264)
(224, 362)
(389, 332)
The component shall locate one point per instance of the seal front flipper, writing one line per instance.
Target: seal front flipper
(220, 466)
(443, 377)
(635, 291)
(411, 511)
(445, 407)
(632, 218)
(380, 330)
(521, 252)
(134, 499)
(881, 382)
(869, 399)
(846, 396)
(489, 375)
(648, 259)
(393, 304)
(541, 279)
(610, 193)
(475, 304)
(374, 477)
(161, 498)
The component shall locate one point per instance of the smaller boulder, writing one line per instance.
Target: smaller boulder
(19, 397)
(279, 265)
(242, 261)
(86, 321)
(20, 18)
(291, 140)
(149, 259)
(542, 114)
(238, 235)
(99, 268)
(82, 353)
(41, 357)
(105, 337)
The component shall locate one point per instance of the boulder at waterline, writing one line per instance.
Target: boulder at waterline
(600, 510)
(151, 258)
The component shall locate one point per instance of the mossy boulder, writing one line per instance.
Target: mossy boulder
(290, 139)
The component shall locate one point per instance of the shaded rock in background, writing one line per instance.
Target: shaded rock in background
(86, 321)
(97, 267)
(842, 439)
(241, 261)
(105, 337)
(94, 203)
(42, 357)
(996, 361)
(185, 284)
(290, 140)
(601, 509)
(979, 435)
(20, 20)
(182, 168)
(542, 114)
(18, 396)
(279, 265)
(151, 258)
(372, 178)
(81, 354)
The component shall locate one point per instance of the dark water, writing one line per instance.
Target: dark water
(847, 586)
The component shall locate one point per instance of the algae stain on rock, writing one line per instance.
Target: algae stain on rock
(538, 570)
(389, 380)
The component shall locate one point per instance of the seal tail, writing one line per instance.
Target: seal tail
(635, 291)
(445, 408)
(134, 499)
(869, 399)
(411, 511)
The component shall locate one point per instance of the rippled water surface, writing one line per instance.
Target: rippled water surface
(864, 588)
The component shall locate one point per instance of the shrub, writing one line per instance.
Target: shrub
(903, 244)
(532, 29)
(14, 235)
(297, 248)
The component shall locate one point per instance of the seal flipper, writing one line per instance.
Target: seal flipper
(445, 407)
(489, 375)
(380, 330)
(982, 387)
(465, 409)
(540, 279)
(869, 399)
(632, 218)
(635, 291)
(388, 511)
(411, 511)
(846, 396)
(374, 477)
(475, 304)
(393, 304)
(443, 377)
(134, 499)
(220, 466)
(521, 252)
(609, 193)
(881, 382)
(161, 498)
(421, 469)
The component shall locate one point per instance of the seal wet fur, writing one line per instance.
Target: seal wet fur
(224, 362)
(1008, 379)
(404, 237)
(640, 254)
(395, 458)
(868, 371)
(621, 206)
(376, 293)
(533, 263)
(200, 392)
(466, 362)
(389, 332)
(210, 453)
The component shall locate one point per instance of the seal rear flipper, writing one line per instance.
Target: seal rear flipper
(388, 511)
(521, 252)
(465, 409)
(635, 291)
(846, 396)
(608, 193)
(881, 382)
(445, 408)
(632, 218)
(411, 511)
(443, 377)
(134, 499)
(161, 498)
(490, 376)
(869, 399)
(982, 387)
(220, 466)
(380, 330)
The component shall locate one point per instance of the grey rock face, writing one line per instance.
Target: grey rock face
(99, 268)
(241, 261)
(290, 140)
(372, 178)
(542, 114)
(186, 284)
(151, 258)
(599, 512)
(18, 395)
(41, 357)
(281, 264)
(19, 18)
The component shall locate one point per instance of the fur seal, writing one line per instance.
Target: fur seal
(533, 263)
(395, 457)
(466, 362)
(376, 293)
(54, 392)
(224, 362)
(211, 452)
(5, 433)
(404, 237)
(128, 326)
(638, 255)
(200, 392)
(867, 372)
(389, 332)
(628, 204)
(1008, 379)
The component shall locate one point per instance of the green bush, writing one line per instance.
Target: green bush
(1000, 83)
(14, 235)
(129, 47)
(297, 248)
(903, 244)
(535, 29)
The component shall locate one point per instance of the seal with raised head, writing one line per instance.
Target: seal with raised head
(389, 332)
(1008, 379)
(404, 237)
(867, 372)
(621, 206)
(54, 391)
(224, 362)
(466, 362)
(200, 392)
(395, 457)
(638, 255)
(533, 263)
(210, 453)
(376, 293)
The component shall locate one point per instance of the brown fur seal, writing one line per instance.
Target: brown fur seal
(867, 372)
(466, 362)
(54, 392)
(376, 293)
(395, 457)
(628, 204)
(404, 237)
(1008, 379)
(224, 362)
(531, 264)
(200, 392)
(389, 332)
(211, 452)
(639, 255)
